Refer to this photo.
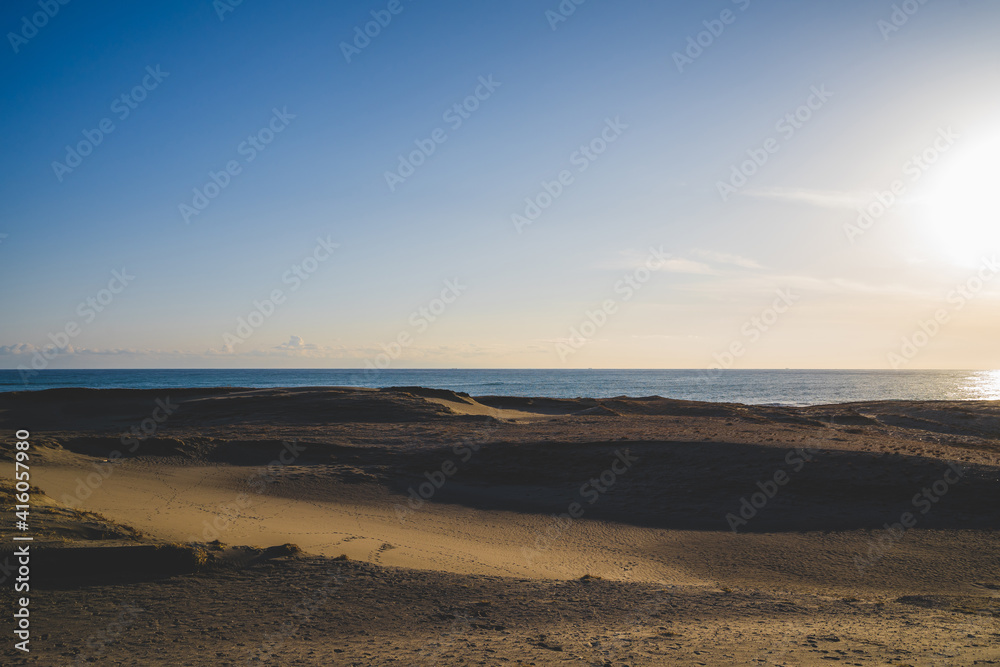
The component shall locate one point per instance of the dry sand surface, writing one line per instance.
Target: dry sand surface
(437, 528)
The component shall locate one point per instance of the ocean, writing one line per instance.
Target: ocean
(774, 387)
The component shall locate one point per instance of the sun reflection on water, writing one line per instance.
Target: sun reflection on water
(986, 386)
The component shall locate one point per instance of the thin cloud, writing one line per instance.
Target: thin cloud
(17, 348)
(296, 344)
(680, 265)
(726, 258)
(834, 199)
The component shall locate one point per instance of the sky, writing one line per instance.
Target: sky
(526, 184)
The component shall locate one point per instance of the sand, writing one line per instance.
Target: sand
(438, 528)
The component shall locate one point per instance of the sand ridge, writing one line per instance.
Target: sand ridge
(552, 522)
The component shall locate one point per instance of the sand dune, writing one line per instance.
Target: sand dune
(770, 529)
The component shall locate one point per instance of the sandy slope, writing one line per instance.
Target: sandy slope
(481, 570)
(206, 503)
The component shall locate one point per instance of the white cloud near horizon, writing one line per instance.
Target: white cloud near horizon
(835, 199)
(726, 258)
(296, 343)
(681, 265)
(629, 260)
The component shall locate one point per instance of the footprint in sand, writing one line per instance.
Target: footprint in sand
(376, 557)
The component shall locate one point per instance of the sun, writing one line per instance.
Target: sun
(958, 204)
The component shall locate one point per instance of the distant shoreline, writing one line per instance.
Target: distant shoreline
(749, 387)
(61, 392)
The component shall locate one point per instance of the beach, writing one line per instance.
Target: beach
(419, 526)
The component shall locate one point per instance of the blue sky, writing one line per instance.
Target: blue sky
(892, 85)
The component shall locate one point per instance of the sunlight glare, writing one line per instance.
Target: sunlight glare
(959, 206)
